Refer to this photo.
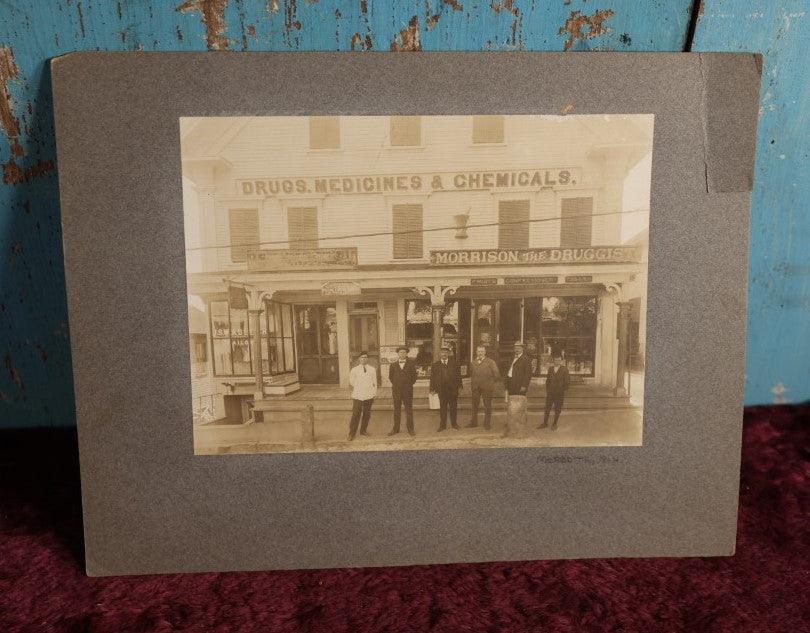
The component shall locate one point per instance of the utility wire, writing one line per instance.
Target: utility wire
(431, 230)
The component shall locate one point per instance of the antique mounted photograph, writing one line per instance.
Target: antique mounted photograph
(376, 283)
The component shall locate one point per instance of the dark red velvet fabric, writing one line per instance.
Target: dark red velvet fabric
(764, 587)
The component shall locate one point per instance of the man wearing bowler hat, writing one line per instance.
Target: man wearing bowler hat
(557, 381)
(445, 380)
(402, 374)
(517, 386)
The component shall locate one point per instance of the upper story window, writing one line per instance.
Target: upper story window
(407, 229)
(487, 129)
(513, 224)
(406, 131)
(302, 225)
(576, 222)
(324, 132)
(243, 225)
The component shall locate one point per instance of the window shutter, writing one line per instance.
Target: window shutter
(488, 129)
(513, 228)
(324, 132)
(407, 229)
(405, 131)
(244, 231)
(576, 222)
(302, 224)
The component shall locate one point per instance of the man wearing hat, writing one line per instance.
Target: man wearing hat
(445, 380)
(402, 374)
(517, 386)
(484, 377)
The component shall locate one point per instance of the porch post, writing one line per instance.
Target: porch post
(437, 294)
(256, 299)
(436, 313)
(621, 360)
(256, 329)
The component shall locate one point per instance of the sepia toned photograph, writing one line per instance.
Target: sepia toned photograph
(379, 283)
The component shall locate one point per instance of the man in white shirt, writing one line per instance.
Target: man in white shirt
(363, 380)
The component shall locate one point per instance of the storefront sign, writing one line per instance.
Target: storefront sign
(275, 260)
(597, 254)
(531, 178)
(341, 288)
(579, 279)
(484, 281)
(516, 281)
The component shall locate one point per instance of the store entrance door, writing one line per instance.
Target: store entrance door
(316, 334)
(510, 325)
(485, 327)
(364, 336)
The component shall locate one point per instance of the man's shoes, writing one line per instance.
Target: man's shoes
(351, 437)
(456, 427)
(554, 427)
(544, 425)
(411, 433)
(392, 433)
(470, 425)
(364, 433)
(440, 429)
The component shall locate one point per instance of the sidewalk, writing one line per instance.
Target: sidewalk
(619, 427)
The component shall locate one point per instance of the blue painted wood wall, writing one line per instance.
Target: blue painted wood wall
(35, 377)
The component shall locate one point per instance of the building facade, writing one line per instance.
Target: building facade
(310, 239)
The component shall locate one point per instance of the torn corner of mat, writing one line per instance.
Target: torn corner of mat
(729, 114)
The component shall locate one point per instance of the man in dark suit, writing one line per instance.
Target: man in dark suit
(557, 382)
(445, 380)
(484, 376)
(402, 374)
(517, 386)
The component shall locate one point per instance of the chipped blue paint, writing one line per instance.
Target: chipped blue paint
(778, 355)
(35, 373)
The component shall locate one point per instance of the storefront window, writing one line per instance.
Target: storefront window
(455, 333)
(277, 339)
(568, 329)
(419, 334)
(233, 340)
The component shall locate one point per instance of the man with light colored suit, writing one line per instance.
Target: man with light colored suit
(484, 377)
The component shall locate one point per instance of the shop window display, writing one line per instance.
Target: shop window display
(232, 339)
(568, 329)
(419, 333)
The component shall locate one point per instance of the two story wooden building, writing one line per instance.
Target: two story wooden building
(310, 239)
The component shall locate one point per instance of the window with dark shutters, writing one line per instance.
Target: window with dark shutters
(513, 227)
(487, 129)
(407, 229)
(243, 225)
(406, 131)
(324, 132)
(302, 223)
(576, 221)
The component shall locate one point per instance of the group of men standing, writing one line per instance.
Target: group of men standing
(445, 383)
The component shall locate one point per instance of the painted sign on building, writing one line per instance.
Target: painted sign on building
(340, 288)
(599, 254)
(532, 178)
(274, 260)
